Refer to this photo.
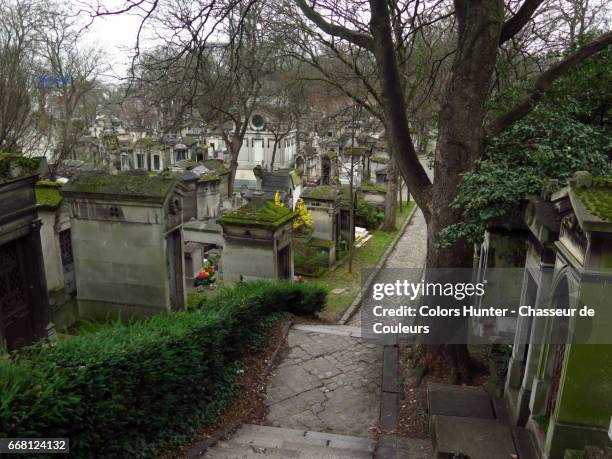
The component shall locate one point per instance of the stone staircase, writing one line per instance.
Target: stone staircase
(255, 441)
(467, 422)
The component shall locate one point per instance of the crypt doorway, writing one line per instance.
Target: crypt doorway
(559, 338)
(325, 170)
(284, 262)
(174, 244)
(16, 321)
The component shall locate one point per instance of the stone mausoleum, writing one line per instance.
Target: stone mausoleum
(24, 307)
(257, 241)
(127, 239)
(559, 379)
(324, 204)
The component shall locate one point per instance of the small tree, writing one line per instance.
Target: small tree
(304, 218)
(18, 44)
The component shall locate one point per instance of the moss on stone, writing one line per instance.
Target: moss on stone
(355, 151)
(110, 141)
(323, 193)
(324, 243)
(598, 197)
(216, 166)
(48, 195)
(210, 178)
(369, 187)
(121, 185)
(14, 166)
(267, 214)
(379, 159)
(148, 142)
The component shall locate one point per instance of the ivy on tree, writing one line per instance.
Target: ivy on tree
(570, 130)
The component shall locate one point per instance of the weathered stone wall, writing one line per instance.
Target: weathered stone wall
(64, 310)
(208, 200)
(323, 225)
(120, 265)
(51, 249)
(251, 259)
(585, 400)
(190, 204)
(375, 199)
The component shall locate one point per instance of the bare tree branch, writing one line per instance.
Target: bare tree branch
(544, 81)
(514, 25)
(357, 38)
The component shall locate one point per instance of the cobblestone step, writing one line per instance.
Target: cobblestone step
(341, 330)
(475, 438)
(254, 441)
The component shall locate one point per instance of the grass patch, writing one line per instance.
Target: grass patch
(365, 257)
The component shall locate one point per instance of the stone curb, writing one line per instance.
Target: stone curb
(386, 447)
(198, 450)
(350, 312)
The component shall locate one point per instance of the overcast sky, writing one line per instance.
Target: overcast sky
(115, 35)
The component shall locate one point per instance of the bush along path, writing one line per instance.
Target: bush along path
(140, 390)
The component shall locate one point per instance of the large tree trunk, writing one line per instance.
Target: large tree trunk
(233, 147)
(460, 135)
(460, 143)
(273, 154)
(391, 197)
(233, 167)
(461, 122)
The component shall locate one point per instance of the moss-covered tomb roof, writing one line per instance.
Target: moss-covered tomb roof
(48, 196)
(267, 214)
(121, 186)
(322, 193)
(13, 166)
(215, 165)
(597, 198)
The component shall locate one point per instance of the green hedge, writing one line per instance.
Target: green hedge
(367, 215)
(309, 260)
(134, 390)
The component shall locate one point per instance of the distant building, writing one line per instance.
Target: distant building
(258, 148)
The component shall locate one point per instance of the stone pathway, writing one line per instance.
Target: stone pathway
(409, 253)
(328, 382)
(323, 399)
(411, 249)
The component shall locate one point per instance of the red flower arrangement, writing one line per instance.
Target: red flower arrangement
(206, 276)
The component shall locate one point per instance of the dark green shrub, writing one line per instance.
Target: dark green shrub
(309, 260)
(367, 215)
(133, 390)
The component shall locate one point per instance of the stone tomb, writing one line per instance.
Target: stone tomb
(55, 236)
(323, 203)
(543, 223)
(24, 307)
(562, 382)
(208, 196)
(257, 241)
(127, 239)
(57, 253)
